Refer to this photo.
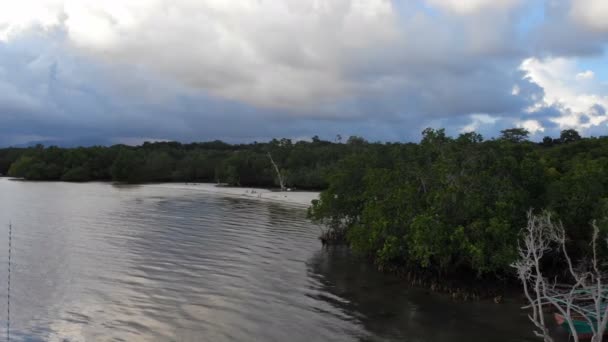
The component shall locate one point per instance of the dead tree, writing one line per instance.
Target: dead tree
(279, 175)
(582, 298)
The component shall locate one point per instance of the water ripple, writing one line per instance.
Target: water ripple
(98, 262)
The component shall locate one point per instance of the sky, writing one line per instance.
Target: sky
(104, 72)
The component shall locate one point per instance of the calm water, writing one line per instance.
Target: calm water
(98, 262)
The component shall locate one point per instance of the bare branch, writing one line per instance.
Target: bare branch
(279, 175)
(572, 299)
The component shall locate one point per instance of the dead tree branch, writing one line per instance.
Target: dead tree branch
(582, 299)
(279, 175)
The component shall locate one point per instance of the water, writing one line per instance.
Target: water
(97, 262)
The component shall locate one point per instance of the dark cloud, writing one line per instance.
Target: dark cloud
(559, 34)
(347, 67)
(598, 109)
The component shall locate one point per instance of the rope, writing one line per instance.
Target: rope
(8, 293)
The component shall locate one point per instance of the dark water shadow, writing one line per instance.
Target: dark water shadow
(391, 311)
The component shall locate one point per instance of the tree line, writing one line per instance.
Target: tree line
(301, 164)
(454, 206)
(447, 205)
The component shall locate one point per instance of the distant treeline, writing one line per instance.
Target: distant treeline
(455, 206)
(447, 205)
(302, 164)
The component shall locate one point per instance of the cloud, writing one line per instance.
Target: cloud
(194, 70)
(478, 120)
(303, 55)
(585, 75)
(592, 14)
(578, 95)
(533, 126)
(16, 17)
(60, 98)
(570, 28)
(472, 6)
(270, 53)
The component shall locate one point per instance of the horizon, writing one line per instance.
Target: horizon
(125, 72)
(76, 143)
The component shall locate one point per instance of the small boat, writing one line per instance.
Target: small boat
(582, 318)
(581, 326)
(582, 311)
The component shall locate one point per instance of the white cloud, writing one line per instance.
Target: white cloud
(515, 90)
(294, 54)
(585, 75)
(345, 60)
(273, 53)
(472, 6)
(592, 14)
(533, 126)
(576, 93)
(21, 15)
(477, 121)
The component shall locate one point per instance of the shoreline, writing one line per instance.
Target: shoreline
(300, 199)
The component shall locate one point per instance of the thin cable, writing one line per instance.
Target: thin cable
(8, 292)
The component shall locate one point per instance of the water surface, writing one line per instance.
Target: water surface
(98, 262)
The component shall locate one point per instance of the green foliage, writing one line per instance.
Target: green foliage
(548, 142)
(569, 135)
(23, 167)
(7, 157)
(158, 167)
(303, 164)
(34, 169)
(457, 205)
(515, 134)
(448, 205)
(77, 174)
(128, 167)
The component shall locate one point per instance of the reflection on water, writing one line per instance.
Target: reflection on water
(387, 310)
(131, 263)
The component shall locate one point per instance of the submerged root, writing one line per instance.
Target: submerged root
(333, 237)
(460, 288)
